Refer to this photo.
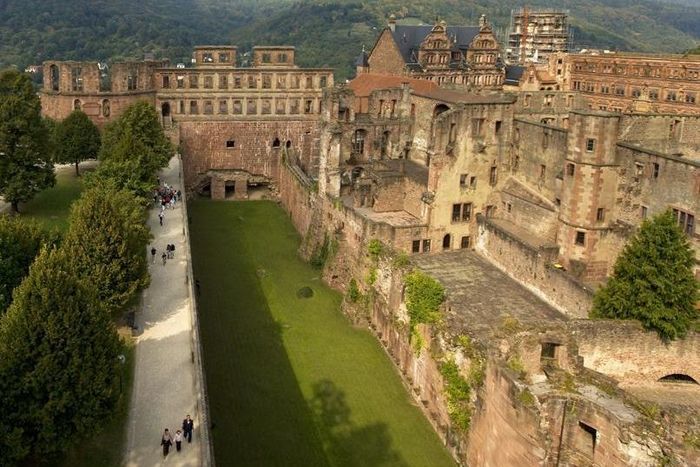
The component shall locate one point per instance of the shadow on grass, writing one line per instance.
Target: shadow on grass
(259, 415)
(348, 444)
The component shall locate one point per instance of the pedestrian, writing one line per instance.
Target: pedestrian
(188, 427)
(166, 441)
(179, 195)
(172, 250)
(172, 202)
(160, 218)
(153, 254)
(165, 258)
(178, 440)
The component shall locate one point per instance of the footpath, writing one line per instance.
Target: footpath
(167, 374)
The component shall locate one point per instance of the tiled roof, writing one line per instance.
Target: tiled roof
(365, 83)
(409, 38)
(513, 74)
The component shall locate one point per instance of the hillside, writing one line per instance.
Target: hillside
(327, 32)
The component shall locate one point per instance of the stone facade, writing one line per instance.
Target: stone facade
(452, 56)
(629, 82)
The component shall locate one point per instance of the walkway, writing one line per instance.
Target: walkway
(165, 387)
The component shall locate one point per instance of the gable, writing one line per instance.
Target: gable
(386, 56)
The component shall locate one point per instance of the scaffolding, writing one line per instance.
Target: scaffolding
(536, 34)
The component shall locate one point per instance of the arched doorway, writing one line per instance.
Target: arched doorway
(165, 109)
(446, 242)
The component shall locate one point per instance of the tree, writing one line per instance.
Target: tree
(134, 148)
(108, 238)
(58, 361)
(76, 139)
(25, 164)
(20, 242)
(653, 281)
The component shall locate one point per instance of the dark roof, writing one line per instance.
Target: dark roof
(361, 59)
(513, 74)
(409, 38)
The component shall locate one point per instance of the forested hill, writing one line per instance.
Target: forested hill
(327, 32)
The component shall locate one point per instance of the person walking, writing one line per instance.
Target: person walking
(160, 218)
(166, 441)
(165, 258)
(178, 440)
(188, 427)
(153, 254)
(172, 250)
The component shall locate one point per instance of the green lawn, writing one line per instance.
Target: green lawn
(291, 382)
(52, 206)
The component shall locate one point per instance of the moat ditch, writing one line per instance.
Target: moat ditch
(290, 380)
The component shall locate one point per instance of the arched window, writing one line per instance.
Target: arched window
(77, 105)
(288, 144)
(106, 110)
(276, 143)
(446, 242)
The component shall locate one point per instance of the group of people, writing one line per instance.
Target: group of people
(166, 196)
(168, 439)
(169, 253)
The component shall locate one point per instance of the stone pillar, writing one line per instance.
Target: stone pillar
(241, 191)
(218, 188)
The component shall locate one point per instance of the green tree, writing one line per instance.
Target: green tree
(653, 280)
(108, 238)
(76, 139)
(20, 242)
(58, 361)
(25, 164)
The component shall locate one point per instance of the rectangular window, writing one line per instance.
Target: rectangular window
(657, 168)
(456, 212)
(590, 145)
(543, 171)
(252, 107)
(266, 58)
(323, 81)
(208, 82)
(223, 58)
(282, 58)
(600, 215)
(463, 180)
(180, 82)
(266, 81)
(493, 175)
(208, 108)
(490, 210)
(415, 247)
(166, 82)
(296, 82)
(685, 220)
(182, 107)
(77, 78)
(461, 212)
(619, 90)
(230, 144)
(472, 183)
(223, 82)
(207, 58)
(526, 101)
(426, 245)
(252, 84)
(477, 127)
(266, 107)
(281, 81)
(465, 243)
(294, 106)
(131, 81)
(237, 82)
(671, 96)
(194, 109)
(223, 107)
(280, 106)
(308, 106)
(237, 107)
(690, 97)
(309, 82)
(644, 212)
(194, 81)
(570, 169)
(580, 238)
(497, 127)
(654, 94)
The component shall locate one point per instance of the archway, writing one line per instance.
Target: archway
(678, 378)
(440, 108)
(446, 242)
(288, 144)
(165, 109)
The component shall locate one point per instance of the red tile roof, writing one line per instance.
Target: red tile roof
(365, 83)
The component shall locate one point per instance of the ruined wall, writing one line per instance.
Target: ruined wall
(534, 268)
(204, 145)
(550, 107)
(624, 351)
(664, 133)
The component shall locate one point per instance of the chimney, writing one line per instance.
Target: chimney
(392, 23)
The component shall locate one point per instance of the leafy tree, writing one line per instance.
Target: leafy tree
(58, 361)
(108, 238)
(25, 165)
(134, 148)
(76, 139)
(20, 242)
(653, 280)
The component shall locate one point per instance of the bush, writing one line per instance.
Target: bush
(458, 392)
(424, 295)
